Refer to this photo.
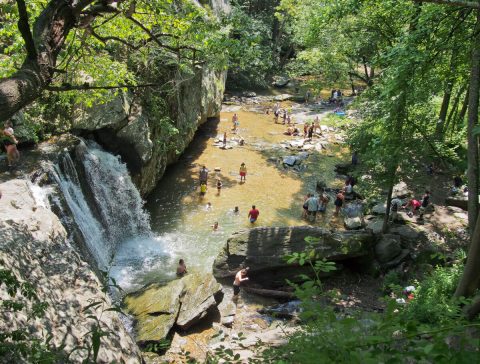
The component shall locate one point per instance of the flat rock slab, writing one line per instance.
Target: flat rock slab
(183, 302)
(263, 249)
(408, 232)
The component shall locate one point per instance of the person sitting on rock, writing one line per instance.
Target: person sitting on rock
(181, 268)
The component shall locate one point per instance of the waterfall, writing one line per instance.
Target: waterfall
(104, 203)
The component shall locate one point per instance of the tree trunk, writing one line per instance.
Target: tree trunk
(49, 33)
(470, 280)
(389, 203)
(454, 110)
(472, 153)
(463, 111)
(449, 83)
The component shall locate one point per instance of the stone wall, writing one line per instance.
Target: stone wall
(34, 246)
(134, 130)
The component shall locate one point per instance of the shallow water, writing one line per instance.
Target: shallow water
(180, 221)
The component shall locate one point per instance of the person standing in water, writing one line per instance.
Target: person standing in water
(235, 122)
(253, 214)
(224, 140)
(203, 175)
(243, 173)
(10, 143)
(203, 189)
(219, 186)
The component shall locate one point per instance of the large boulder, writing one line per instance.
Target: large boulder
(400, 190)
(183, 302)
(353, 223)
(406, 232)
(264, 249)
(201, 293)
(379, 209)
(457, 201)
(388, 248)
(155, 309)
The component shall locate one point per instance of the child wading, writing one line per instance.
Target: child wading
(243, 172)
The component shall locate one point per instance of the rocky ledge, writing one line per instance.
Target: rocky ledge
(35, 248)
(182, 302)
(264, 249)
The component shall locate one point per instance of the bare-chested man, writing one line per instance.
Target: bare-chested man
(240, 277)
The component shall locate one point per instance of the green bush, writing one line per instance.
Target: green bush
(433, 302)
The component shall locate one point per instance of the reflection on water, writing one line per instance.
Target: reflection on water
(179, 217)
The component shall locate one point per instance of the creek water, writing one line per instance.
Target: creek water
(182, 224)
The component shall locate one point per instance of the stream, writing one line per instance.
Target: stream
(182, 224)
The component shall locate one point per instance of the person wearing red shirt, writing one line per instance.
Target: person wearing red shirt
(253, 214)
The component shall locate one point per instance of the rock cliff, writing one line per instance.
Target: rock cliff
(35, 248)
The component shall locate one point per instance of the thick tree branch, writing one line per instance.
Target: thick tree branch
(465, 4)
(24, 28)
(88, 87)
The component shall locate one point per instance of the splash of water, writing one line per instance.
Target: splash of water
(113, 211)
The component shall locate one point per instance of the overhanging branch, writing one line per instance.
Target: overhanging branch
(24, 28)
(68, 87)
(465, 4)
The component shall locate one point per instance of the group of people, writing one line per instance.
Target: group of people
(283, 113)
(413, 206)
(9, 142)
(335, 97)
(314, 203)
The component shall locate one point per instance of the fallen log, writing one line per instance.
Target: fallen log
(269, 292)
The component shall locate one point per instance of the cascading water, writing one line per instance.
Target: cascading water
(117, 200)
(67, 179)
(106, 206)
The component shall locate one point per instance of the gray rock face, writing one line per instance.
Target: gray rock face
(183, 302)
(353, 223)
(457, 201)
(400, 190)
(407, 232)
(263, 249)
(375, 226)
(388, 248)
(34, 246)
(379, 209)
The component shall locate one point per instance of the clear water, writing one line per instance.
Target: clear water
(179, 219)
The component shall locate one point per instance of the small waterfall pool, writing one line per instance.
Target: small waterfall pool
(140, 244)
(180, 220)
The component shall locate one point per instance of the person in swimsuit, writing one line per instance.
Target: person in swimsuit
(203, 189)
(181, 268)
(339, 202)
(203, 175)
(253, 214)
(10, 143)
(240, 277)
(243, 173)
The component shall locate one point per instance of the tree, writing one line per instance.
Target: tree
(75, 44)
